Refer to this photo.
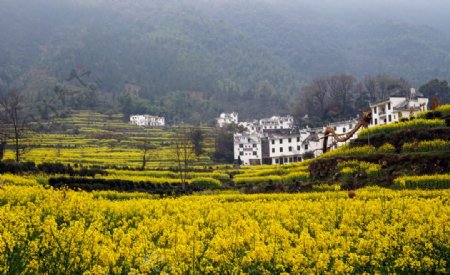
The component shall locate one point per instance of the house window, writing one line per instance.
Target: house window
(254, 145)
(390, 118)
(241, 153)
(281, 149)
(277, 161)
(298, 139)
(376, 122)
(350, 126)
(385, 121)
(290, 140)
(249, 140)
(290, 159)
(389, 106)
(281, 141)
(343, 129)
(254, 153)
(273, 150)
(273, 141)
(241, 145)
(306, 146)
(375, 110)
(335, 128)
(298, 148)
(290, 148)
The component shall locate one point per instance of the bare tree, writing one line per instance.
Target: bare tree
(146, 147)
(371, 87)
(341, 88)
(319, 91)
(13, 116)
(184, 152)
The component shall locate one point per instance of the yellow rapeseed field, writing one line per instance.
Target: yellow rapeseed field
(380, 230)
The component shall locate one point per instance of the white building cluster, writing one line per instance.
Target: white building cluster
(276, 141)
(280, 145)
(227, 119)
(147, 120)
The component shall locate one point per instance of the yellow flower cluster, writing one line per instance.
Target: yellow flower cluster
(62, 231)
(436, 145)
(393, 127)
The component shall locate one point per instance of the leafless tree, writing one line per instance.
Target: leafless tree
(184, 152)
(146, 147)
(371, 88)
(320, 92)
(341, 88)
(14, 119)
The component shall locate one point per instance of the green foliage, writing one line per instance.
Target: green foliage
(257, 180)
(206, 183)
(223, 152)
(424, 181)
(436, 88)
(193, 60)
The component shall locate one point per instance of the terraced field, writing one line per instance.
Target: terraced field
(87, 139)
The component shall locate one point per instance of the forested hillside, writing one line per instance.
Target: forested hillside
(194, 59)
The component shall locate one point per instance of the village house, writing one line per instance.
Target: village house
(147, 120)
(227, 119)
(247, 148)
(277, 122)
(396, 108)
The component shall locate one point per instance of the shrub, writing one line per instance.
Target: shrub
(257, 180)
(386, 148)
(425, 181)
(206, 183)
(359, 168)
(13, 167)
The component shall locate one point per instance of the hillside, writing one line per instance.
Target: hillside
(199, 58)
(89, 139)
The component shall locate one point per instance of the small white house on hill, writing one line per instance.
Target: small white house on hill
(147, 120)
(396, 108)
(227, 119)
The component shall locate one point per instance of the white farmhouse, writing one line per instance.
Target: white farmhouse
(247, 148)
(250, 127)
(147, 120)
(396, 108)
(284, 148)
(227, 119)
(277, 122)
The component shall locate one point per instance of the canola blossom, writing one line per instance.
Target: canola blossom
(380, 230)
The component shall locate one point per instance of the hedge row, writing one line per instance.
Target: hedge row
(424, 182)
(272, 179)
(47, 168)
(89, 184)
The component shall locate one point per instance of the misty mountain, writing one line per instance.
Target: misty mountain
(209, 56)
